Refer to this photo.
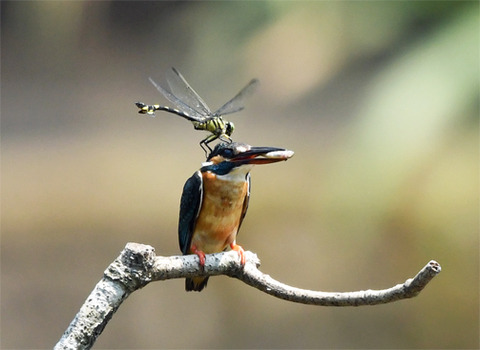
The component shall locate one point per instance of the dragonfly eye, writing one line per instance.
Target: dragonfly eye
(229, 127)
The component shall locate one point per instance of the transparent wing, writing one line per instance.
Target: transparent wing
(236, 103)
(183, 91)
(179, 103)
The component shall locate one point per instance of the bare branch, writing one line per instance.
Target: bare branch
(408, 289)
(137, 266)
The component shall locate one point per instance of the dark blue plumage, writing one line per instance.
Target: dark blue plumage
(189, 208)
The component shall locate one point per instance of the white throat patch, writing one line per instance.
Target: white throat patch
(237, 174)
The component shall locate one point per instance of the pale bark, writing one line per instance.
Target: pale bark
(138, 265)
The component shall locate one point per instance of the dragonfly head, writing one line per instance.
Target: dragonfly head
(229, 127)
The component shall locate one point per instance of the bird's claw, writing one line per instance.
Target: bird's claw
(240, 252)
(201, 256)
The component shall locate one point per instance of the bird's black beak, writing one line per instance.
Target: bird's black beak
(262, 155)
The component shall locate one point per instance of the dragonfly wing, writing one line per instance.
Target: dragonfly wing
(181, 89)
(236, 103)
(192, 113)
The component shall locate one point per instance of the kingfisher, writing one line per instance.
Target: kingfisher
(215, 200)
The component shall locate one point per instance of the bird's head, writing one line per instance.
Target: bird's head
(228, 158)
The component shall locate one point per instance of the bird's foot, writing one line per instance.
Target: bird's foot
(200, 254)
(240, 251)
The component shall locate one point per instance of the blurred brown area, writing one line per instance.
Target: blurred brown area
(379, 100)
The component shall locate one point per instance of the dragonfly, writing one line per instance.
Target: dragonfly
(193, 108)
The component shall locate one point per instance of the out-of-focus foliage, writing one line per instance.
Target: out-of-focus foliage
(379, 100)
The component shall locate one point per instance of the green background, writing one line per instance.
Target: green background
(379, 101)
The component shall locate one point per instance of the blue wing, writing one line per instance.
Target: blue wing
(190, 205)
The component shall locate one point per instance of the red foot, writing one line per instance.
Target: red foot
(240, 251)
(200, 254)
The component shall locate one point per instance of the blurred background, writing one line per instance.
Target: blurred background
(379, 101)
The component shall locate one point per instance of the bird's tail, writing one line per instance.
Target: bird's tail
(195, 284)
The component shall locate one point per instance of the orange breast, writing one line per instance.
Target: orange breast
(220, 214)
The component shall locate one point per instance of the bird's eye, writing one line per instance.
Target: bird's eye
(227, 153)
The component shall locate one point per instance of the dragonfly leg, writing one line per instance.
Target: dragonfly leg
(204, 143)
(206, 148)
(225, 138)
